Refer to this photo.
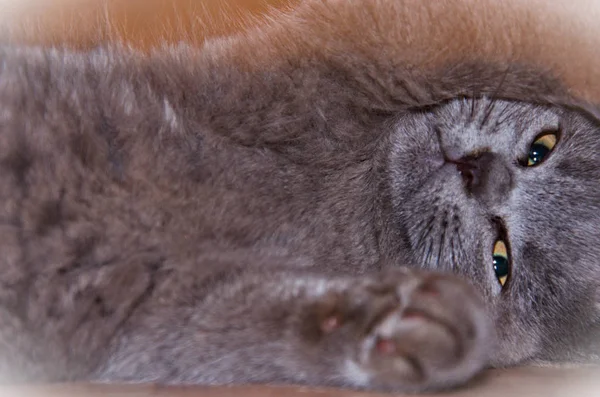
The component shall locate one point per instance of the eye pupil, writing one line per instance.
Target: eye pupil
(541, 148)
(501, 262)
(537, 153)
(500, 266)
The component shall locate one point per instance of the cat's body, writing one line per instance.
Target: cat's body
(207, 216)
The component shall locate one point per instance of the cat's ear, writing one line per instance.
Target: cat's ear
(593, 111)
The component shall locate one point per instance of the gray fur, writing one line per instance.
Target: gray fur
(175, 218)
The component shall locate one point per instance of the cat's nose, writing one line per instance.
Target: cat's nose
(484, 175)
(471, 169)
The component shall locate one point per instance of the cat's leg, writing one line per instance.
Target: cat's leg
(395, 330)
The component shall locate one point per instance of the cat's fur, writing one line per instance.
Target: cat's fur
(249, 211)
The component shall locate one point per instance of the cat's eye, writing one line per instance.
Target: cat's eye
(501, 262)
(541, 147)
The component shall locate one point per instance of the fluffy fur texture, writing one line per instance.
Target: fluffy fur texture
(286, 205)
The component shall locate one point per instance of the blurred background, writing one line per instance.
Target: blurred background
(139, 23)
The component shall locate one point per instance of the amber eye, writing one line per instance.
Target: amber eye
(501, 262)
(541, 147)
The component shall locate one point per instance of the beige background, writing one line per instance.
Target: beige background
(141, 23)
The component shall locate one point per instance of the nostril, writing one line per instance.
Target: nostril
(482, 172)
(469, 172)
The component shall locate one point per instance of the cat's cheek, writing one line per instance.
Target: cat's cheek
(515, 339)
(597, 301)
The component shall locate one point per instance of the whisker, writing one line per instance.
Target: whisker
(442, 239)
(452, 248)
(472, 115)
(508, 116)
(460, 244)
(488, 112)
(425, 234)
(500, 116)
(428, 255)
(439, 253)
(493, 99)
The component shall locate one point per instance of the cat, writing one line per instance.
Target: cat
(284, 206)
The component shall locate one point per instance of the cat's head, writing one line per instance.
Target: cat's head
(506, 194)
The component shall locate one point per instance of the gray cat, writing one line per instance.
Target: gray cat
(186, 217)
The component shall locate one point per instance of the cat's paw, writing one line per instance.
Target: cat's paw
(406, 330)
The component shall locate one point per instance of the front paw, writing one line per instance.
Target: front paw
(404, 330)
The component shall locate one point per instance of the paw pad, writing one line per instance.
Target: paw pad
(385, 346)
(331, 323)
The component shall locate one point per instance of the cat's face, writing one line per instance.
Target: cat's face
(508, 195)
